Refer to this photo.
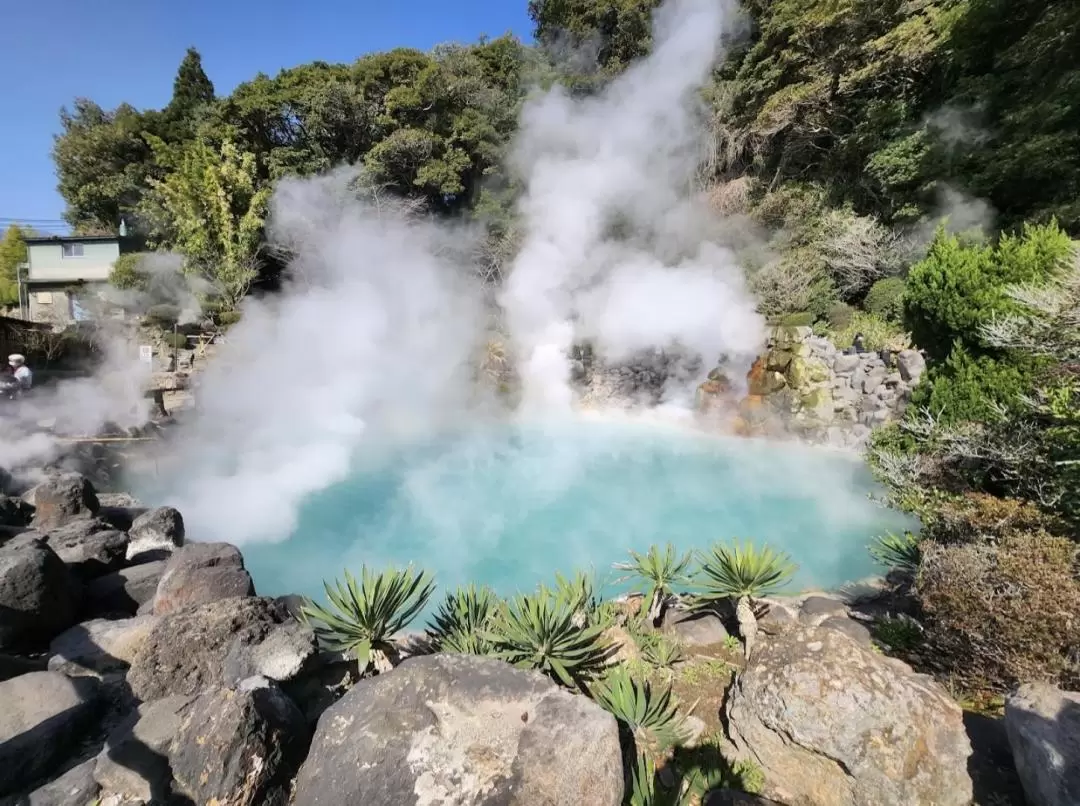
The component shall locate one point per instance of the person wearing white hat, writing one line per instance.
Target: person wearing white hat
(22, 372)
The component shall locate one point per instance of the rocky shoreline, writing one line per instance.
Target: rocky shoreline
(139, 668)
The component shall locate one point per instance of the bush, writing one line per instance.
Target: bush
(885, 299)
(176, 341)
(960, 286)
(126, 275)
(227, 318)
(840, 315)
(966, 388)
(978, 517)
(878, 334)
(999, 615)
(804, 319)
(163, 316)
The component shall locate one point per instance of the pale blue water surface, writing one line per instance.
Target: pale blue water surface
(510, 505)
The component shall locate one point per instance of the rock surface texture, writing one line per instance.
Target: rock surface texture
(218, 645)
(831, 723)
(156, 532)
(200, 573)
(62, 499)
(1043, 724)
(455, 731)
(38, 596)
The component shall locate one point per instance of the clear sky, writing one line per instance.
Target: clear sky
(52, 51)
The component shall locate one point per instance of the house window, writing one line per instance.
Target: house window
(72, 249)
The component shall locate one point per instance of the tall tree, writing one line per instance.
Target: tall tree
(12, 253)
(192, 88)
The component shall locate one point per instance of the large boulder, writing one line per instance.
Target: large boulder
(38, 595)
(156, 532)
(89, 546)
(126, 590)
(134, 761)
(15, 512)
(62, 499)
(43, 714)
(100, 646)
(832, 723)
(218, 645)
(1043, 724)
(238, 746)
(76, 787)
(200, 573)
(454, 729)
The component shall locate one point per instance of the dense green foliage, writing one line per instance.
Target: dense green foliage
(12, 253)
(885, 299)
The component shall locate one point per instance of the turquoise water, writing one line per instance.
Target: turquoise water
(511, 505)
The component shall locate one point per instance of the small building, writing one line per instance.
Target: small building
(61, 269)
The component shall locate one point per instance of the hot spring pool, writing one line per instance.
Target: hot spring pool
(510, 506)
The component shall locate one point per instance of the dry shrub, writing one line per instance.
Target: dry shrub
(731, 197)
(998, 615)
(985, 518)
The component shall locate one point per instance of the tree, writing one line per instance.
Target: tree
(103, 164)
(12, 253)
(191, 87)
(620, 30)
(210, 207)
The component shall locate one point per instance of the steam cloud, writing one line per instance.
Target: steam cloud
(375, 337)
(614, 250)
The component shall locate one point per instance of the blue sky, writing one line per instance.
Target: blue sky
(52, 51)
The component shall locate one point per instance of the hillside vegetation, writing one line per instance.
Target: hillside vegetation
(847, 129)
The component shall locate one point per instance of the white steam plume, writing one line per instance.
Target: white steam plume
(371, 339)
(611, 252)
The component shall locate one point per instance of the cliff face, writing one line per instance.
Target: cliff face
(804, 387)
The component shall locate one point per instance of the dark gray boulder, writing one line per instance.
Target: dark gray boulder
(456, 729)
(218, 645)
(15, 512)
(89, 546)
(818, 608)
(126, 590)
(849, 627)
(1043, 724)
(134, 761)
(43, 715)
(38, 595)
(695, 628)
(76, 787)
(238, 746)
(156, 532)
(62, 499)
(200, 573)
(100, 646)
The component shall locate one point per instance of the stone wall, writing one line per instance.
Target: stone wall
(803, 386)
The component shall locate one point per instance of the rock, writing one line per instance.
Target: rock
(834, 724)
(873, 380)
(76, 787)
(43, 714)
(219, 644)
(15, 512)
(626, 647)
(735, 797)
(238, 746)
(156, 532)
(815, 609)
(776, 619)
(38, 595)
(100, 646)
(199, 573)
(454, 729)
(90, 547)
(845, 364)
(317, 689)
(134, 761)
(126, 590)
(1043, 724)
(911, 365)
(695, 629)
(849, 627)
(62, 499)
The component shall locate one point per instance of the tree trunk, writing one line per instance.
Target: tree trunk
(656, 607)
(744, 612)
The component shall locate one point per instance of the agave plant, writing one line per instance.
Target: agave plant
(897, 551)
(661, 571)
(650, 726)
(363, 618)
(743, 573)
(460, 620)
(538, 631)
(658, 650)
